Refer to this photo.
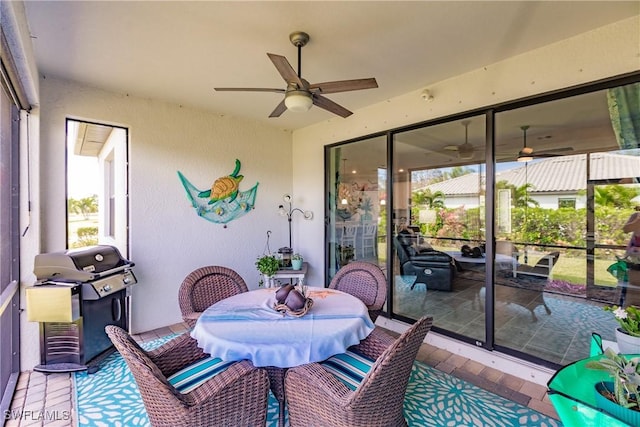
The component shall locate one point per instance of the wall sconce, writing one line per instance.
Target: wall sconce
(288, 212)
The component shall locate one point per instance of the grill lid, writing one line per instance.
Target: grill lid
(80, 265)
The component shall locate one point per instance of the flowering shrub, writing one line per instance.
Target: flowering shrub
(628, 318)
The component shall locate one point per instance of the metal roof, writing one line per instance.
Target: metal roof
(556, 174)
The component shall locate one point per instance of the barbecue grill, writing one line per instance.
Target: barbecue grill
(79, 292)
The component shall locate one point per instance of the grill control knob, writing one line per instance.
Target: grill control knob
(106, 288)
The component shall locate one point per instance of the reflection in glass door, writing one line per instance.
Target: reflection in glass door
(438, 227)
(356, 228)
(513, 254)
(561, 205)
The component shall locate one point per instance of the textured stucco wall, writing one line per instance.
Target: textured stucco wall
(167, 238)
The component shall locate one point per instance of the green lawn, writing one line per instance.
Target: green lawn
(574, 270)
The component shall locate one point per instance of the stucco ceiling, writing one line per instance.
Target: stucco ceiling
(178, 51)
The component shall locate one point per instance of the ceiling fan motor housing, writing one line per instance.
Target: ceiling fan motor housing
(465, 151)
(299, 38)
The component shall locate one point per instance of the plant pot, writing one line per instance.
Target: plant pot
(296, 264)
(633, 273)
(629, 416)
(627, 344)
(269, 281)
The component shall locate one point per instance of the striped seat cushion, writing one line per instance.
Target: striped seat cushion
(349, 367)
(197, 373)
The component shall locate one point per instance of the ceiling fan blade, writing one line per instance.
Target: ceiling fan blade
(552, 152)
(329, 105)
(556, 150)
(541, 155)
(280, 108)
(247, 89)
(285, 69)
(345, 85)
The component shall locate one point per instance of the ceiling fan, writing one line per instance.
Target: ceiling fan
(527, 154)
(465, 151)
(299, 94)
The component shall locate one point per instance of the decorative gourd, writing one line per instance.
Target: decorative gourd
(283, 292)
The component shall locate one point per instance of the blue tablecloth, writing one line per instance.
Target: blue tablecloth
(245, 326)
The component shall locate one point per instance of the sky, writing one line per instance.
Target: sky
(82, 171)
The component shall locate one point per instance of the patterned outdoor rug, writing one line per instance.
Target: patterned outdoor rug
(110, 397)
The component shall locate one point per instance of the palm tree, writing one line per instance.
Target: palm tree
(519, 195)
(432, 200)
(84, 206)
(617, 196)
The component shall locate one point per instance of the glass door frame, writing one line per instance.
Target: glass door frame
(490, 202)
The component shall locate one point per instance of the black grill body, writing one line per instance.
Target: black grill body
(100, 278)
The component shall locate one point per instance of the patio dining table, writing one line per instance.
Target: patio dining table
(246, 326)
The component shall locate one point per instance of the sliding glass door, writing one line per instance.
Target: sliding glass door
(506, 225)
(439, 183)
(356, 203)
(562, 203)
(9, 249)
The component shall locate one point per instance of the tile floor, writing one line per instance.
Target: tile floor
(48, 400)
(535, 322)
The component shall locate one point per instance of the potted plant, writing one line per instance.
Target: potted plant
(347, 253)
(628, 334)
(620, 396)
(296, 261)
(268, 265)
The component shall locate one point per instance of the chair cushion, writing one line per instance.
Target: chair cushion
(187, 379)
(349, 367)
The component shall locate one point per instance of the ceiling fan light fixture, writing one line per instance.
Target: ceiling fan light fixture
(524, 157)
(298, 101)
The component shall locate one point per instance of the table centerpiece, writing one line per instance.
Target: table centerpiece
(293, 300)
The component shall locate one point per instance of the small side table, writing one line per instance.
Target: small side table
(287, 273)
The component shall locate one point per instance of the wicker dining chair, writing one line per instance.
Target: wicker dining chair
(316, 397)
(206, 286)
(365, 281)
(236, 396)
